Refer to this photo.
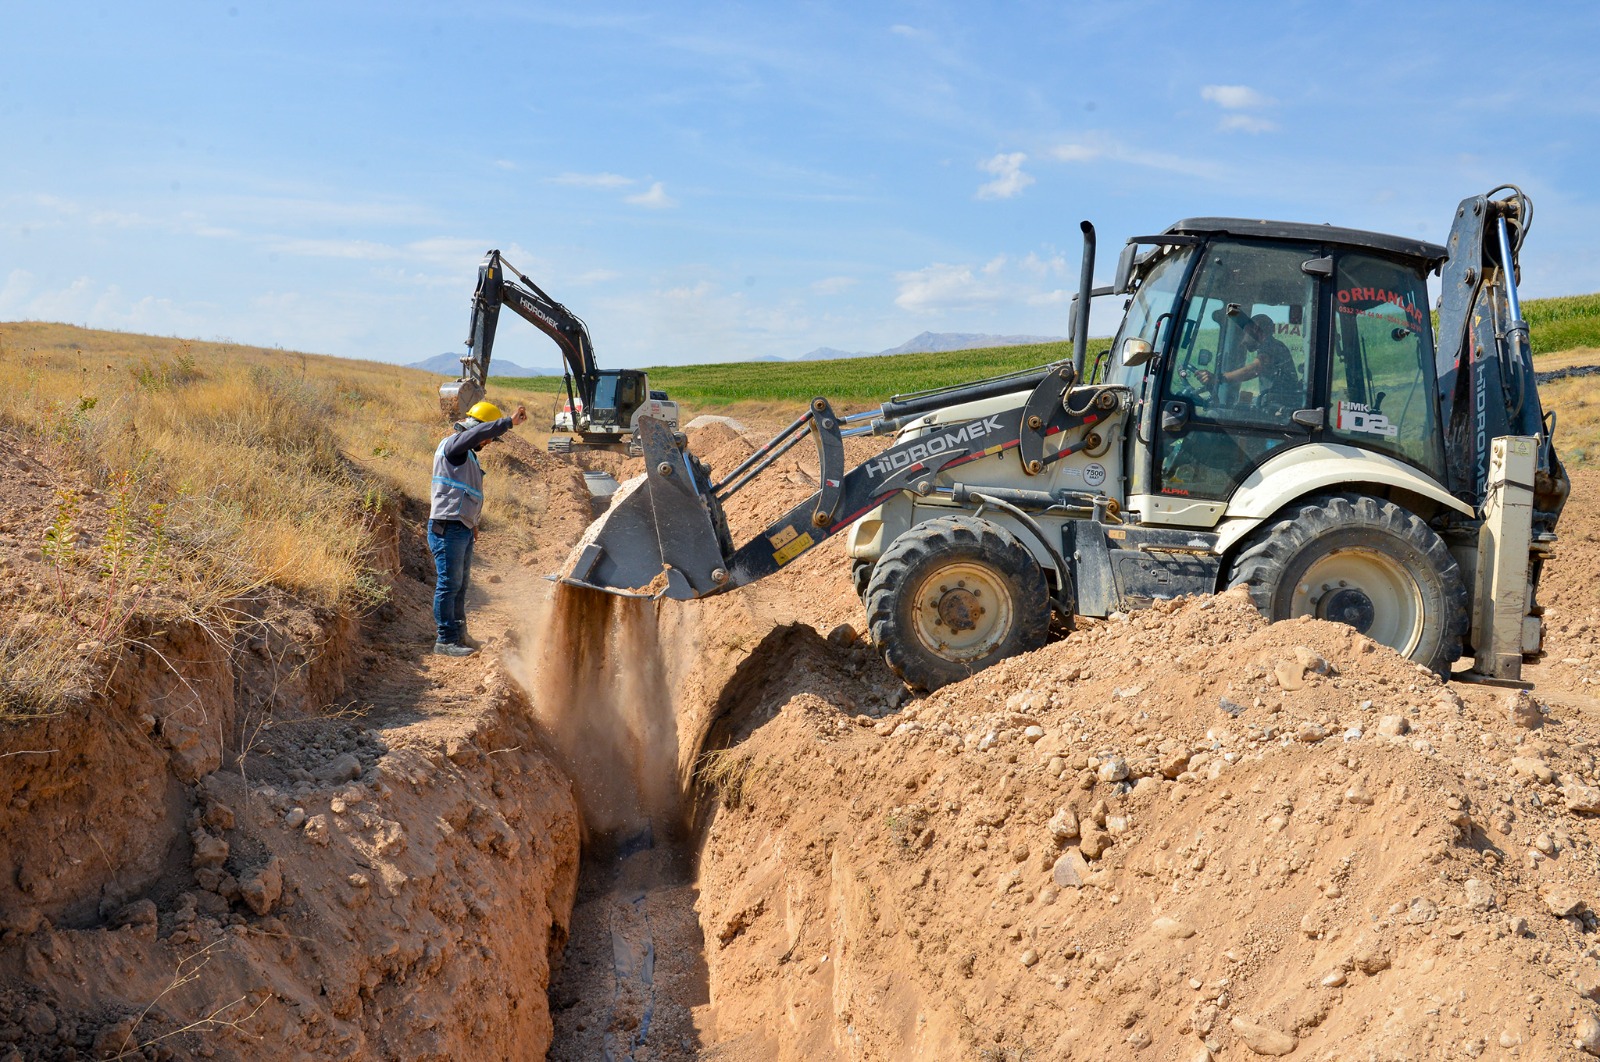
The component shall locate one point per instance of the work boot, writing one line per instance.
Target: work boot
(469, 641)
(453, 649)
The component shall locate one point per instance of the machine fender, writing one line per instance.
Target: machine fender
(872, 534)
(1315, 467)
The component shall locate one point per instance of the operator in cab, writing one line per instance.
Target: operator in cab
(453, 519)
(1272, 364)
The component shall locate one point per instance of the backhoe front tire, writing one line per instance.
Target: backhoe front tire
(1365, 562)
(861, 575)
(952, 596)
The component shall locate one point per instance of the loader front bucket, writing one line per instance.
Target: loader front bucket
(660, 536)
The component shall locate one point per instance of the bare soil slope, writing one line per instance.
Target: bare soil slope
(302, 837)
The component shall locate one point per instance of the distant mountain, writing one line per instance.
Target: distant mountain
(939, 342)
(933, 343)
(450, 365)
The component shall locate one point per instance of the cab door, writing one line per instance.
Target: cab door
(1238, 381)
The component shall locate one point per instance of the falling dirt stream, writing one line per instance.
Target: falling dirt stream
(633, 981)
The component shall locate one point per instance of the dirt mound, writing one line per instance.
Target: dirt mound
(1570, 591)
(1186, 830)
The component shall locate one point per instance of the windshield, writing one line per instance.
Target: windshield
(605, 392)
(1151, 305)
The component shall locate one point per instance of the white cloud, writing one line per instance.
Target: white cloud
(358, 250)
(1043, 267)
(1240, 98)
(1009, 180)
(14, 293)
(1234, 97)
(1077, 152)
(593, 180)
(655, 199)
(448, 251)
(85, 302)
(900, 29)
(504, 164)
(833, 285)
(1246, 123)
(943, 287)
(1096, 148)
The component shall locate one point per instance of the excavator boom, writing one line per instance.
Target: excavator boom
(530, 303)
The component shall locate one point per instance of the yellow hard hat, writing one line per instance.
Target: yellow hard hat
(484, 412)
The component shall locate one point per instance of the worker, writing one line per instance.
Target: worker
(1272, 365)
(453, 519)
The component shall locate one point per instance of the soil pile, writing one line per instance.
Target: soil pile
(1570, 591)
(1185, 831)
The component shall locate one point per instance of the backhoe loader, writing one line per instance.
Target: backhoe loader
(1274, 413)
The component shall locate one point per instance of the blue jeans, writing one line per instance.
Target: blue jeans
(452, 561)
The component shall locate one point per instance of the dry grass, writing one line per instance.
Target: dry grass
(235, 468)
(271, 458)
(1576, 404)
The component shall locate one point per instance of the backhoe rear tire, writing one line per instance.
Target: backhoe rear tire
(1354, 559)
(952, 596)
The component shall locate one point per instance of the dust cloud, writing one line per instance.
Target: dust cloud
(602, 685)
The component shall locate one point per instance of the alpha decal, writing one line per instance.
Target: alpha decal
(895, 460)
(1355, 416)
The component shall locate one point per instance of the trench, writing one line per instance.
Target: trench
(647, 696)
(632, 982)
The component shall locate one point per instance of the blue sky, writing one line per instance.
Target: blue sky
(715, 182)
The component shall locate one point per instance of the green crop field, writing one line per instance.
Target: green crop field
(1556, 325)
(847, 381)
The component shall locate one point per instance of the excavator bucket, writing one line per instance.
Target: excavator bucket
(660, 537)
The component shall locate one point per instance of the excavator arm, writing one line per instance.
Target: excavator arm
(530, 303)
(1484, 360)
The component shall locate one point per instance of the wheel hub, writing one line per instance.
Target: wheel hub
(1366, 589)
(1349, 606)
(962, 610)
(958, 608)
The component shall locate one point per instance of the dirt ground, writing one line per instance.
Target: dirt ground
(722, 829)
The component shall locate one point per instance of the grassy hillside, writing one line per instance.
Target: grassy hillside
(267, 463)
(1563, 324)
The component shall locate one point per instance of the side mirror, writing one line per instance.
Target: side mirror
(1123, 282)
(1136, 351)
(1072, 317)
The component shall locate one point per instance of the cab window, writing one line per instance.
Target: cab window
(1237, 373)
(1242, 352)
(1152, 303)
(1381, 393)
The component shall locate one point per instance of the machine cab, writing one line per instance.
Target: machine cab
(1246, 339)
(617, 394)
